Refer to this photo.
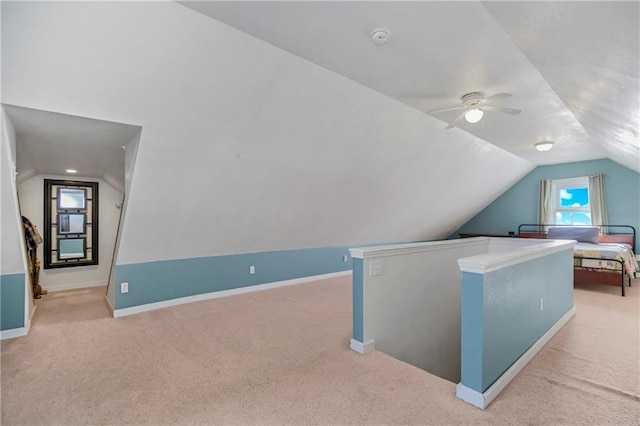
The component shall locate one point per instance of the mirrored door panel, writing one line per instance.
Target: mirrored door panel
(72, 248)
(72, 223)
(71, 198)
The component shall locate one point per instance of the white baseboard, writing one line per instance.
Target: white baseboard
(74, 286)
(109, 305)
(363, 348)
(33, 312)
(482, 400)
(20, 331)
(13, 333)
(217, 294)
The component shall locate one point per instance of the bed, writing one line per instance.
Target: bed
(604, 254)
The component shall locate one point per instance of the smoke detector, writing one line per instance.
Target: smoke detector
(379, 36)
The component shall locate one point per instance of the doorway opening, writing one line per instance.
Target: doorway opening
(93, 158)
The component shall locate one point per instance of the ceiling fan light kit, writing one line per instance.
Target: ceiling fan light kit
(543, 146)
(474, 105)
(473, 115)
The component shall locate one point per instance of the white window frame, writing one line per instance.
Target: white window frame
(558, 185)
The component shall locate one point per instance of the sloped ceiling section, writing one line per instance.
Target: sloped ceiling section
(11, 247)
(572, 67)
(245, 147)
(48, 143)
(589, 54)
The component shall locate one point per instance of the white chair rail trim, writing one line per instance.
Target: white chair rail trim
(409, 248)
(489, 262)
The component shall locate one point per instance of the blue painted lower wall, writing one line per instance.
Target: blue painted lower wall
(165, 280)
(11, 301)
(519, 204)
(501, 316)
(471, 344)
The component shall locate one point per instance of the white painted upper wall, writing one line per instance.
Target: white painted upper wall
(11, 244)
(244, 147)
(131, 153)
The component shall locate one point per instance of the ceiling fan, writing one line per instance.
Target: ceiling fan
(474, 105)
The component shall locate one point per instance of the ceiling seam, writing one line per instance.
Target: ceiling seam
(534, 67)
(260, 106)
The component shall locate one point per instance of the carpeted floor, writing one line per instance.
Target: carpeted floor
(282, 357)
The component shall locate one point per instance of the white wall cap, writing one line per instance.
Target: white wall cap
(510, 243)
(409, 248)
(489, 262)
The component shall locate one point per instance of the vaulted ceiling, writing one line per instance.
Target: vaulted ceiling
(281, 125)
(571, 67)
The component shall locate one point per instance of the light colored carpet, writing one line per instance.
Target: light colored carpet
(281, 357)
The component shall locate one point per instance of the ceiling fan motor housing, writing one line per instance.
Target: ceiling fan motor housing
(472, 99)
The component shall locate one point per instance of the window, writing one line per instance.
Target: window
(571, 201)
(71, 223)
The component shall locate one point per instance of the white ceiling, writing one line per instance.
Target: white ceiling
(49, 143)
(572, 67)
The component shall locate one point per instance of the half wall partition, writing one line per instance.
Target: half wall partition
(472, 311)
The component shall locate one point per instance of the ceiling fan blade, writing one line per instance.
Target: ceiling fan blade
(451, 125)
(445, 110)
(498, 96)
(496, 108)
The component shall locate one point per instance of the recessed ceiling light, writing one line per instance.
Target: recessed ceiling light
(71, 171)
(543, 146)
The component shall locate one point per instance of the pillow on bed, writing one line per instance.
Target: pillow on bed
(583, 234)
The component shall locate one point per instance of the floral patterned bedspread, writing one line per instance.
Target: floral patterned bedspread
(606, 253)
